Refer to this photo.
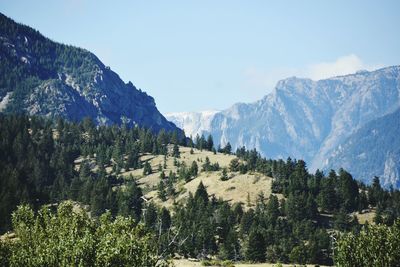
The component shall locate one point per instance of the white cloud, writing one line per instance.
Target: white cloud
(341, 66)
(267, 79)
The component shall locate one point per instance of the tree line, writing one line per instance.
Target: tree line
(38, 165)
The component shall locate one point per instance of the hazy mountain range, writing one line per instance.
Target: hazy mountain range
(318, 121)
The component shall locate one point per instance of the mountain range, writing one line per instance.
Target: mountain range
(327, 123)
(349, 121)
(41, 77)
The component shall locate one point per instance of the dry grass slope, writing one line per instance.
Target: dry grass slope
(239, 188)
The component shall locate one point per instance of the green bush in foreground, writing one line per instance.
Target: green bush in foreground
(70, 238)
(375, 245)
(220, 263)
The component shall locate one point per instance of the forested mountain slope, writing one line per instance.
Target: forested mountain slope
(42, 77)
(372, 150)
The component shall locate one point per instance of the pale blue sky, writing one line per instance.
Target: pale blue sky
(197, 55)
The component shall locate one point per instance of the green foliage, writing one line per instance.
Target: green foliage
(5, 253)
(227, 149)
(133, 160)
(162, 194)
(256, 246)
(150, 216)
(68, 237)
(38, 167)
(375, 245)
(175, 151)
(298, 254)
(229, 248)
(37, 163)
(210, 143)
(197, 229)
(224, 175)
(208, 166)
(202, 143)
(328, 195)
(165, 219)
(234, 165)
(130, 201)
(348, 191)
(201, 193)
(219, 263)
(194, 169)
(147, 168)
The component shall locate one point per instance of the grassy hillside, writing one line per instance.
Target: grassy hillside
(239, 188)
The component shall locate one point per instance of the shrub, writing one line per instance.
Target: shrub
(70, 238)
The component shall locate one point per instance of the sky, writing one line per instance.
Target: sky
(208, 55)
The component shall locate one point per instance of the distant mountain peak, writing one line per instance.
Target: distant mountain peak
(193, 123)
(309, 119)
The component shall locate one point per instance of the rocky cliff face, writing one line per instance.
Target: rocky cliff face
(42, 77)
(310, 119)
(373, 150)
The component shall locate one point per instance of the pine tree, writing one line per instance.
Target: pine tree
(224, 175)
(162, 175)
(311, 208)
(162, 194)
(84, 170)
(133, 160)
(194, 169)
(175, 151)
(98, 197)
(342, 220)
(147, 168)
(75, 187)
(229, 249)
(234, 165)
(227, 149)
(170, 188)
(328, 197)
(165, 162)
(207, 165)
(210, 143)
(150, 216)
(348, 191)
(375, 192)
(201, 193)
(273, 208)
(130, 201)
(256, 246)
(165, 219)
(118, 156)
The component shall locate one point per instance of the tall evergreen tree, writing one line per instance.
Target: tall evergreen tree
(256, 246)
(210, 143)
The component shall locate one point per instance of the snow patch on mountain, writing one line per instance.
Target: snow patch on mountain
(193, 123)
